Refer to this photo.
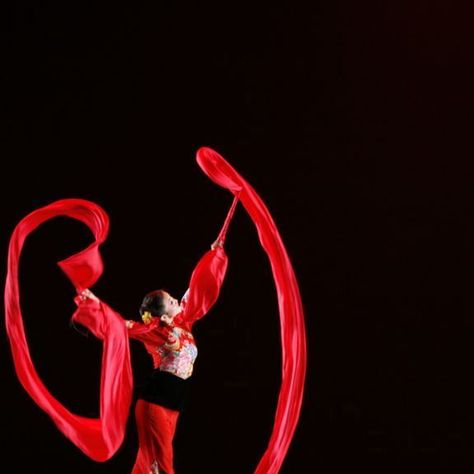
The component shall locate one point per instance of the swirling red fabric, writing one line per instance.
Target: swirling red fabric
(99, 438)
(293, 335)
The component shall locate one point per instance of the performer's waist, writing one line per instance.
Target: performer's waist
(166, 389)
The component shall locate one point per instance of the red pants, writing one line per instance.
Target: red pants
(156, 427)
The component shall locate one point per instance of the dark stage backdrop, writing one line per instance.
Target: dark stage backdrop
(353, 121)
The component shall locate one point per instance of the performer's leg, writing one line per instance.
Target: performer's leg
(156, 428)
(162, 424)
(143, 461)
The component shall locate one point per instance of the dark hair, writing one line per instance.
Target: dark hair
(153, 302)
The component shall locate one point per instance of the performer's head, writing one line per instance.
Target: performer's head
(159, 302)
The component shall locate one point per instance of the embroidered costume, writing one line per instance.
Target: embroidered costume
(173, 350)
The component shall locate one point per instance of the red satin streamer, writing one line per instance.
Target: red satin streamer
(289, 301)
(98, 438)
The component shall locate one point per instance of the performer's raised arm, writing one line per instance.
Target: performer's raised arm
(205, 284)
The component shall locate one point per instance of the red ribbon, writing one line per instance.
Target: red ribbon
(99, 438)
(293, 334)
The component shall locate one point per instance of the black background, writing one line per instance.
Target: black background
(353, 122)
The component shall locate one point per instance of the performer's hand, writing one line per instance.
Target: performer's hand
(166, 319)
(217, 243)
(87, 294)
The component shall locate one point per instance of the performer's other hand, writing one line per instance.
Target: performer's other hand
(217, 243)
(87, 294)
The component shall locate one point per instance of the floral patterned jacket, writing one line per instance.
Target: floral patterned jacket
(173, 347)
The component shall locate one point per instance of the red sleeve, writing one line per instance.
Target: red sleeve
(92, 315)
(205, 284)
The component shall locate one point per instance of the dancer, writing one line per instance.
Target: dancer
(99, 438)
(166, 335)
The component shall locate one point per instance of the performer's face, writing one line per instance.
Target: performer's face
(172, 306)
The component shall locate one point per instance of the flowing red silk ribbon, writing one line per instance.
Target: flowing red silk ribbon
(99, 438)
(293, 334)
